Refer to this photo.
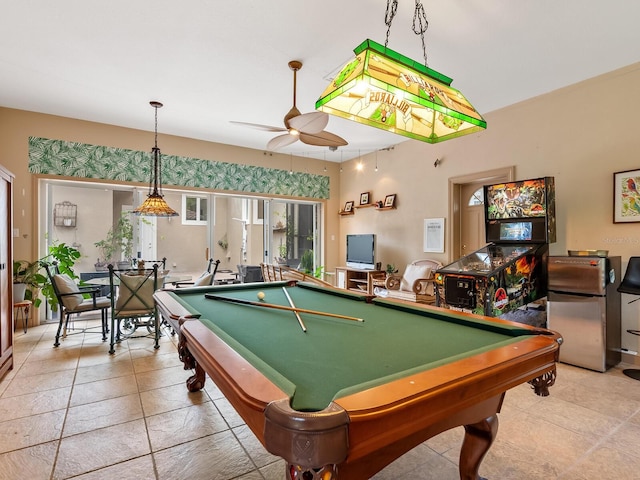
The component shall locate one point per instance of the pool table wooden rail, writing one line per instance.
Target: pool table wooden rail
(365, 431)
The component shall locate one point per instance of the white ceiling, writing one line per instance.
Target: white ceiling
(211, 62)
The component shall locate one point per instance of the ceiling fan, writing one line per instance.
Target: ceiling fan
(306, 127)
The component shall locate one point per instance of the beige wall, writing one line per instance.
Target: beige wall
(580, 135)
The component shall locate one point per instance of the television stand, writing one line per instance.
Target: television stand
(355, 279)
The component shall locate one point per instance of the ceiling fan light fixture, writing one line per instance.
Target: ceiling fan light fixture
(387, 90)
(155, 204)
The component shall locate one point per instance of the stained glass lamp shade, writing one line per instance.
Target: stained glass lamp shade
(384, 89)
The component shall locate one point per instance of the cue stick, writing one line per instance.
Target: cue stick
(211, 296)
(302, 326)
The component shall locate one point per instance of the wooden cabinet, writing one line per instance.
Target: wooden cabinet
(356, 280)
(6, 271)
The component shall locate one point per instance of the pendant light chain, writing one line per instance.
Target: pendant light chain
(420, 25)
(392, 7)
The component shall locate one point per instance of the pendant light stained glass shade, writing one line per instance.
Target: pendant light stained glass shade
(155, 204)
(384, 89)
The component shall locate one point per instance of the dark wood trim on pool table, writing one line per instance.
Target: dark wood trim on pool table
(363, 432)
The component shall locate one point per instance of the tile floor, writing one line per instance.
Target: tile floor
(77, 412)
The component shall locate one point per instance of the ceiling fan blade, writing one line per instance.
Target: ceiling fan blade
(281, 141)
(323, 139)
(312, 122)
(267, 128)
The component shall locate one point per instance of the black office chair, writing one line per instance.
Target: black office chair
(631, 285)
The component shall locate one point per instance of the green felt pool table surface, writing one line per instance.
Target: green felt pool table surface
(351, 396)
(338, 356)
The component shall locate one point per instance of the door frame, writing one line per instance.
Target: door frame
(505, 174)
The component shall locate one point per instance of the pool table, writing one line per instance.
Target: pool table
(345, 398)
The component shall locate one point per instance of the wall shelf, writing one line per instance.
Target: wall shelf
(343, 213)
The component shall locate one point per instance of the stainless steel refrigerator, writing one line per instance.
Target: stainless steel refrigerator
(584, 307)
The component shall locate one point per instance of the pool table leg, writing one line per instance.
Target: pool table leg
(195, 383)
(477, 441)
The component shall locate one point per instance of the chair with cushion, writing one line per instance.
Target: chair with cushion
(416, 284)
(132, 303)
(203, 280)
(71, 300)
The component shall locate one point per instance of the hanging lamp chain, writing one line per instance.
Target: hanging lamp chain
(392, 7)
(419, 26)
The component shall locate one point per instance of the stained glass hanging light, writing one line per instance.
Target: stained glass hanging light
(155, 204)
(385, 89)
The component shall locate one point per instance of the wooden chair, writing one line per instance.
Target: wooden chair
(71, 300)
(132, 303)
(416, 284)
(278, 273)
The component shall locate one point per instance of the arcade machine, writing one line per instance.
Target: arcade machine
(511, 270)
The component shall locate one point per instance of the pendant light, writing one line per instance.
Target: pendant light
(155, 204)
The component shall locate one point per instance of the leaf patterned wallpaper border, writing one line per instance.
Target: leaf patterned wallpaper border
(73, 159)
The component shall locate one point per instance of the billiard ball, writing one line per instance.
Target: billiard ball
(260, 295)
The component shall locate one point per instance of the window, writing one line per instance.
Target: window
(477, 198)
(194, 210)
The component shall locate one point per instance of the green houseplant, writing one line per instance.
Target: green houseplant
(119, 239)
(65, 256)
(29, 273)
(27, 280)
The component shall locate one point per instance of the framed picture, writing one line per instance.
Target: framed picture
(626, 196)
(364, 198)
(434, 235)
(390, 200)
(348, 206)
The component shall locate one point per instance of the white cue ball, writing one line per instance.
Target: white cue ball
(260, 295)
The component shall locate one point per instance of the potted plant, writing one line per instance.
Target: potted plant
(391, 269)
(29, 274)
(65, 257)
(27, 279)
(119, 239)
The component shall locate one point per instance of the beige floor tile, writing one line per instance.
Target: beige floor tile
(47, 366)
(99, 448)
(30, 431)
(34, 403)
(103, 390)
(154, 379)
(217, 456)
(183, 425)
(169, 398)
(104, 371)
(253, 447)
(22, 385)
(49, 353)
(275, 471)
(29, 463)
(93, 355)
(605, 463)
(576, 418)
(105, 413)
(228, 412)
(157, 361)
(140, 468)
(420, 463)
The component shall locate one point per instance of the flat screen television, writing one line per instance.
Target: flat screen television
(361, 251)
